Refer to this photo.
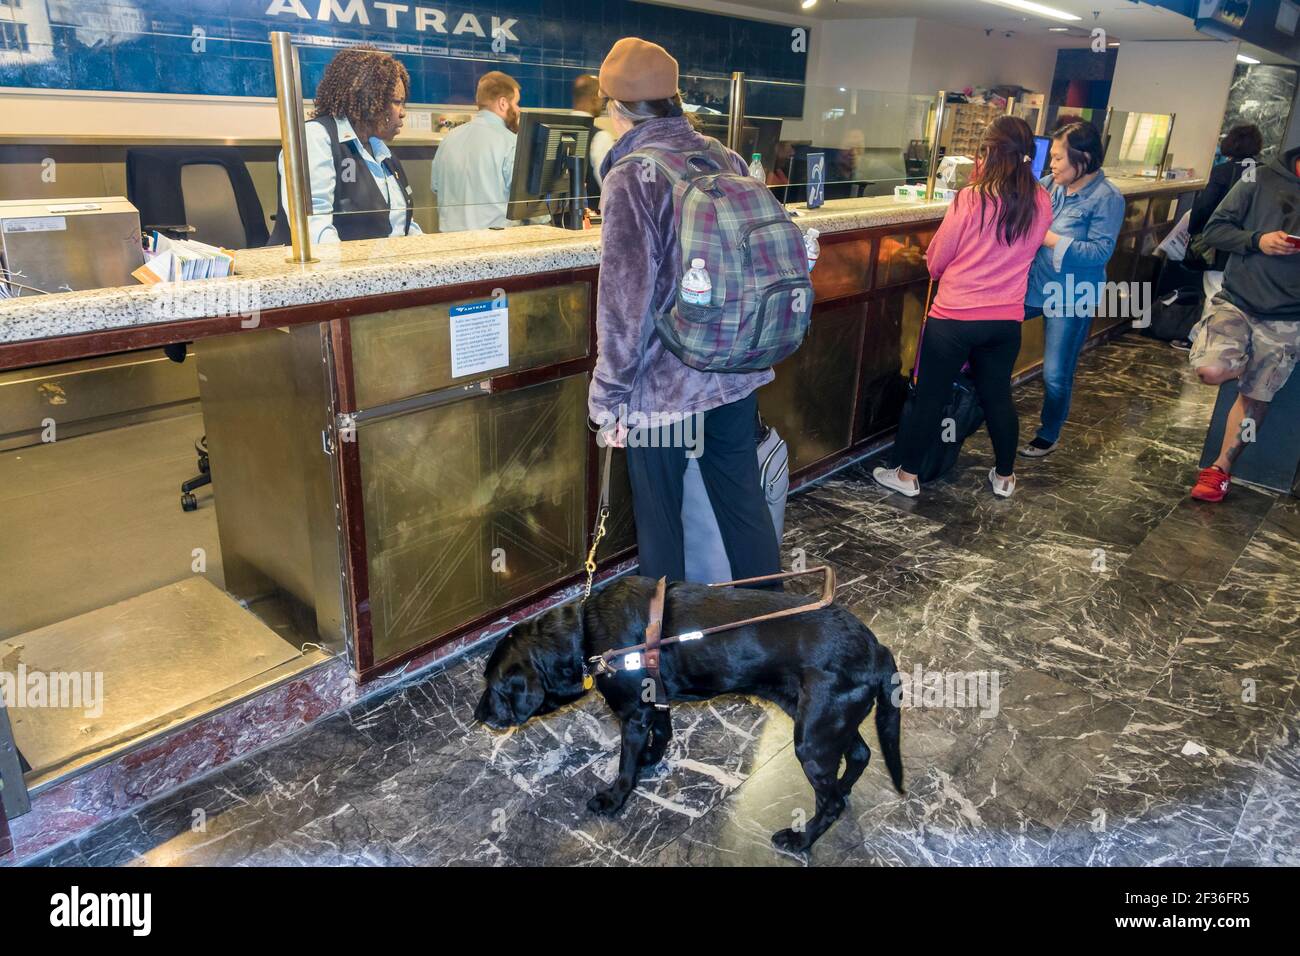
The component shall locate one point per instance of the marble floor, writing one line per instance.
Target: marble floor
(1143, 646)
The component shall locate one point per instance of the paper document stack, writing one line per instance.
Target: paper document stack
(178, 260)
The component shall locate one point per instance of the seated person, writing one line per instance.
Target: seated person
(1252, 331)
(358, 187)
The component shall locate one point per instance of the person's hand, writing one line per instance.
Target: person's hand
(1051, 239)
(1276, 244)
(614, 435)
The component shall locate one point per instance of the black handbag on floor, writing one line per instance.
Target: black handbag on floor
(1174, 315)
(963, 408)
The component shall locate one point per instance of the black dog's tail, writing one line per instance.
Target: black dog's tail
(888, 718)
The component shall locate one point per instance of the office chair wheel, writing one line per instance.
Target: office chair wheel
(189, 502)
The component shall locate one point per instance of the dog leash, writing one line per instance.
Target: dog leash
(598, 532)
(645, 656)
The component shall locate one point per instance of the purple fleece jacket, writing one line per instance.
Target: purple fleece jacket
(639, 268)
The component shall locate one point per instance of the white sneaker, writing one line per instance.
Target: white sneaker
(1002, 487)
(888, 477)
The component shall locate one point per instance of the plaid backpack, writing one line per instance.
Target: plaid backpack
(755, 256)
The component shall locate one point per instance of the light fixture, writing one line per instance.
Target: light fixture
(807, 4)
(1113, 43)
(1038, 8)
(1242, 58)
(1058, 29)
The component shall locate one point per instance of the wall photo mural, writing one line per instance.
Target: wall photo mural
(1262, 95)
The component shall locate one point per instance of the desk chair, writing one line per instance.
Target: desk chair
(203, 193)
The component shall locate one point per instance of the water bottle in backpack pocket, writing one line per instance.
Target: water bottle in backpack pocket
(697, 287)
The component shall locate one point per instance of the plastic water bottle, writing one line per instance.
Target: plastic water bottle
(814, 248)
(756, 168)
(697, 287)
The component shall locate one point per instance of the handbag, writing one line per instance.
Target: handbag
(962, 407)
(706, 556)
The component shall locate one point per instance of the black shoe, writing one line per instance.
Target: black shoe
(1038, 448)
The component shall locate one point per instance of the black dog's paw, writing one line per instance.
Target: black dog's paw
(650, 757)
(791, 841)
(606, 802)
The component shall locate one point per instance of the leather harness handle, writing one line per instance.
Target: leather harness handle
(649, 650)
(653, 631)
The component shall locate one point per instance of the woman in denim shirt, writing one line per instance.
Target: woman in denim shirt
(1065, 281)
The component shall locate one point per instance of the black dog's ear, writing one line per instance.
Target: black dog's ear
(558, 653)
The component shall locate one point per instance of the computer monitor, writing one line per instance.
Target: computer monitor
(552, 147)
(760, 134)
(1042, 151)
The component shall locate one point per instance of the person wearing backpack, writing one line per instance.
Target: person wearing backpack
(664, 345)
(981, 256)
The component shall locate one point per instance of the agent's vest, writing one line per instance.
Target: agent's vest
(360, 209)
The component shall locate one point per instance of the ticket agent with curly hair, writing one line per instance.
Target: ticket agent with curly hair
(358, 187)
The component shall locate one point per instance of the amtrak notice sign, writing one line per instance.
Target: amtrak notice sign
(480, 337)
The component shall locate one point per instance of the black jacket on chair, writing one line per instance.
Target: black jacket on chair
(360, 209)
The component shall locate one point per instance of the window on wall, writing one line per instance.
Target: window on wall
(13, 36)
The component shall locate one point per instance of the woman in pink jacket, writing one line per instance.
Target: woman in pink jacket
(982, 252)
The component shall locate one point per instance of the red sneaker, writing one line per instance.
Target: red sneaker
(1211, 484)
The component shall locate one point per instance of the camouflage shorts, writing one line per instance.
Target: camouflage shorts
(1264, 353)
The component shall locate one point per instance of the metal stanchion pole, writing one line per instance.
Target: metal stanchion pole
(1169, 140)
(293, 143)
(736, 117)
(939, 110)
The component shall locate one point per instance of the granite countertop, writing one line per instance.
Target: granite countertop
(264, 280)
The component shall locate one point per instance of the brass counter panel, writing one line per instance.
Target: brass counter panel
(94, 394)
(843, 269)
(406, 352)
(887, 356)
(901, 257)
(811, 401)
(1135, 214)
(445, 486)
(1123, 261)
(265, 402)
(1031, 346)
(1164, 208)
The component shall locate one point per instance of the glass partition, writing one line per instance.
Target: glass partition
(1137, 143)
(871, 141)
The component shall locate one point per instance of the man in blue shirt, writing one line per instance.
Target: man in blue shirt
(475, 163)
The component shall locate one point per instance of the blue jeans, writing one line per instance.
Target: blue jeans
(1063, 340)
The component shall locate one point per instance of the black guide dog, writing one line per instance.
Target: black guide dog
(824, 668)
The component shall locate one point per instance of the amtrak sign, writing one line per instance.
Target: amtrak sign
(395, 16)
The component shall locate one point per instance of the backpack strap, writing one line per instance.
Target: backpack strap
(686, 166)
